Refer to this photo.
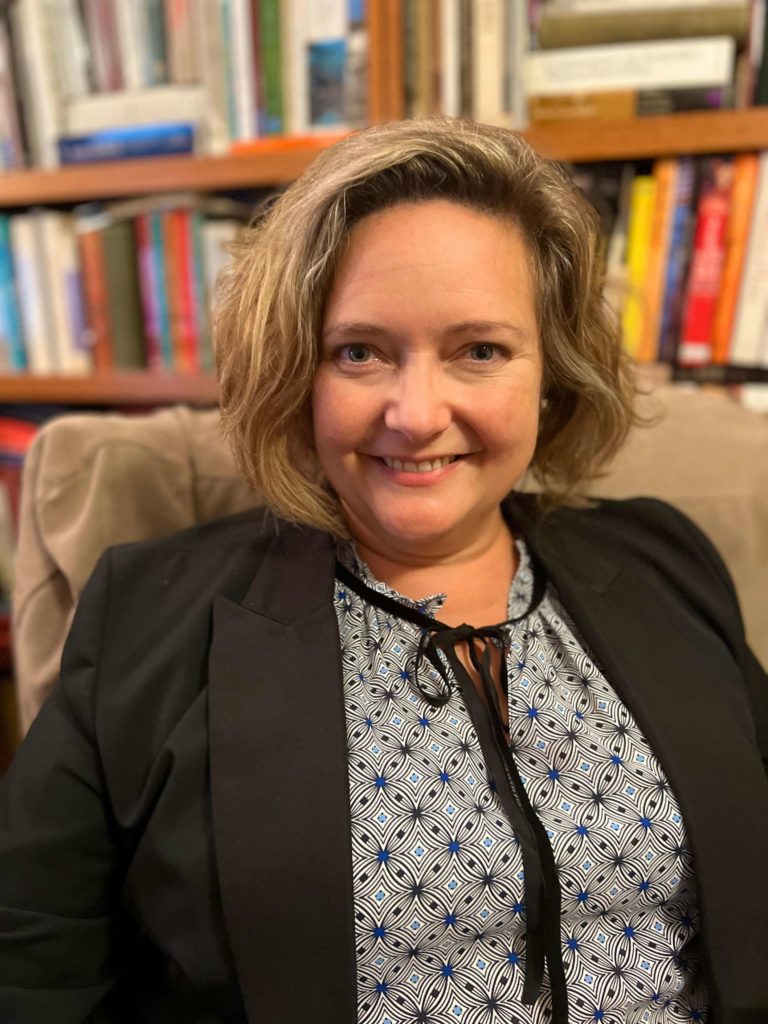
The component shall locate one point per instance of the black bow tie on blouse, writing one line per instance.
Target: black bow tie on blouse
(437, 646)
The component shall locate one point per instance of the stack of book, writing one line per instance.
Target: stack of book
(125, 286)
(517, 62)
(88, 80)
(632, 58)
(686, 260)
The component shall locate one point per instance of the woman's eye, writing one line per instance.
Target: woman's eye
(355, 354)
(483, 352)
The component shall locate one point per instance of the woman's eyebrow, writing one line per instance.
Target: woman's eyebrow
(357, 328)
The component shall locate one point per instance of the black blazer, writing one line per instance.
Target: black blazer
(154, 862)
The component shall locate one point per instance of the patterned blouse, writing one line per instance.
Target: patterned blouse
(439, 887)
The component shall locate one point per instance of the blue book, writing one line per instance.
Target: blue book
(126, 143)
(11, 335)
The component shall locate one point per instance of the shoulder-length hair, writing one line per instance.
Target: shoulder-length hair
(272, 299)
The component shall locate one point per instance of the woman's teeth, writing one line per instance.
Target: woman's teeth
(418, 467)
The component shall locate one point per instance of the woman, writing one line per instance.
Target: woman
(283, 779)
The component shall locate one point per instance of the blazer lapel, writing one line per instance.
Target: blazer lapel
(676, 675)
(280, 788)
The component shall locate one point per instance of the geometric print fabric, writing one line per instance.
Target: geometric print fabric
(437, 871)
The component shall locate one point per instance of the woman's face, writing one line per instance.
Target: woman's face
(426, 398)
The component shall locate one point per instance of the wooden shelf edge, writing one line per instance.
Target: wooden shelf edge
(701, 131)
(120, 388)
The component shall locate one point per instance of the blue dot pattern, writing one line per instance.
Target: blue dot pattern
(438, 877)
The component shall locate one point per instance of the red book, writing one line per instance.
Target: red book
(94, 276)
(189, 350)
(707, 260)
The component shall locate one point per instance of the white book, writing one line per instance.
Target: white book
(133, 42)
(153, 105)
(208, 28)
(28, 271)
(60, 266)
(71, 50)
(488, 61)
(752, 305)
(516, 34)
(317, 41)
(244, 69)
(450, 58)
(217, 234)
(40, 99)
(655, 64)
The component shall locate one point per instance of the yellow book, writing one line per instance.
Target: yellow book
(638, 252)
(665, 176)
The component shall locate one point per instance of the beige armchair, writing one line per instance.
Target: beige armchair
(93, 480)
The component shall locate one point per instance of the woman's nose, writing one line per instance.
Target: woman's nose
(418, 407)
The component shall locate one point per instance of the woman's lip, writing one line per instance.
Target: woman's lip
(411, 479)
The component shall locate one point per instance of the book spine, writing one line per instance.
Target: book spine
(29, 283)
(625, 103)
(488, 62)
(40, 100)
(159, 261)
(62, 284)
(124, 296)
(154, 50)
(683, 224)
(11, 137)
(127, 143)
(466, 73)
(94, 277)
(173, 290)
(517, 22)
(271, 66)
(621, 22)
(149, 285)
(665, 176)
(707, 258)
(101, 30)
(659, 64)
(450, 97)
(201, 301)
(131, 36)
(189, 342)
(243, 70)
(180, 40)
(210, 31)
(737, 235)
(638, 249)
(746, 340)
(11, 336)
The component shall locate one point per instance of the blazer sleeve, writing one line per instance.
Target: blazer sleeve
(59, 861)
(720, 602)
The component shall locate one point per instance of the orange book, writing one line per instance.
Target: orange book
(94, 275)
(185, 268)
(173, 288)
(665, 176)
(737, 235)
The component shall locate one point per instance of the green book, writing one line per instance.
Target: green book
(124, 296)
(271, 105)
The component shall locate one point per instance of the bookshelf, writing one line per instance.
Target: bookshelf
(719, 131)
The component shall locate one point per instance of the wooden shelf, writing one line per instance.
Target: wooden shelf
(127, 388)
(719, 131)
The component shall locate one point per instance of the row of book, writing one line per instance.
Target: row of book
(122, 286)
(103, 79)
(523, 62)
(686, 259)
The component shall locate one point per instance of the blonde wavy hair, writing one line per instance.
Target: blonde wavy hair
(272, 298)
